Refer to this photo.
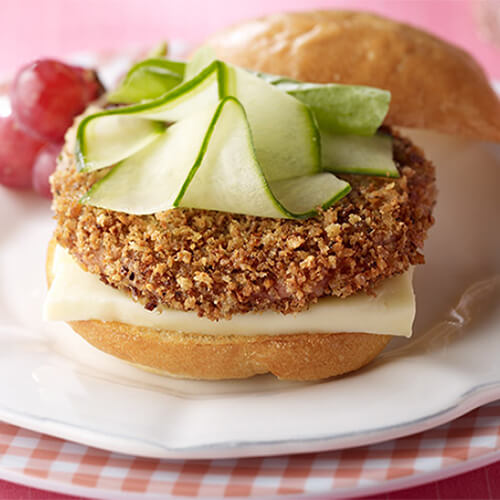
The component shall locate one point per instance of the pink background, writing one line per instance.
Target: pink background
(34, 28)
(56, 28)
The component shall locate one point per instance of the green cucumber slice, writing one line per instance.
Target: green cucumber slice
(151, 180)
(352, 154)
(284, 132)
(302, 195)
(205, 89)
(110, 136)
(153, 77)
(227, 176)
(208, 161)
(148, 79)
(202, 57)
(294, 124)
(104, 139)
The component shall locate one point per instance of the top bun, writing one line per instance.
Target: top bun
(434, 85)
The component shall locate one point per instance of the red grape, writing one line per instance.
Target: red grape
(93, 86)
(45, 164)
(18, 151)
(47, 95)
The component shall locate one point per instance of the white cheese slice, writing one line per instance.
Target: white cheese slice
(78, 295)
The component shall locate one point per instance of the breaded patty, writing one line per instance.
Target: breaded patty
(219, 264)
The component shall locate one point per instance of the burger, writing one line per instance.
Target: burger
(229, 284)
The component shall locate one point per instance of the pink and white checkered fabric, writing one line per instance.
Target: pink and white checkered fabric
(67, 464)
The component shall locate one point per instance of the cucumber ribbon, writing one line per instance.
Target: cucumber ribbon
(217, 137)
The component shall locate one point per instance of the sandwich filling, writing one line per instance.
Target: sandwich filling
(237, 212)
(79, 295)
(219, 265)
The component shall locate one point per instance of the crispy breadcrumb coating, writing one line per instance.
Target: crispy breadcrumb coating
(219, 264)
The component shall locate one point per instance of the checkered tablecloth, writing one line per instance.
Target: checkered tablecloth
(74, 467)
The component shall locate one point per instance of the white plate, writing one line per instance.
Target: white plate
(52, 382)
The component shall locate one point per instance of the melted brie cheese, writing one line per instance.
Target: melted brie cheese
(78, 295)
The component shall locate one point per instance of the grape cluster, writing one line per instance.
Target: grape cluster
(46, 95)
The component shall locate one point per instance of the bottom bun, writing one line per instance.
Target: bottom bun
(304, 356)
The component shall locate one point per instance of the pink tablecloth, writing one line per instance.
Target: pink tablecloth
(481, 484)
(34, 28)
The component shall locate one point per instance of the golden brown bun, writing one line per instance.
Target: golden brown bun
(294, 357)
(434, 85)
